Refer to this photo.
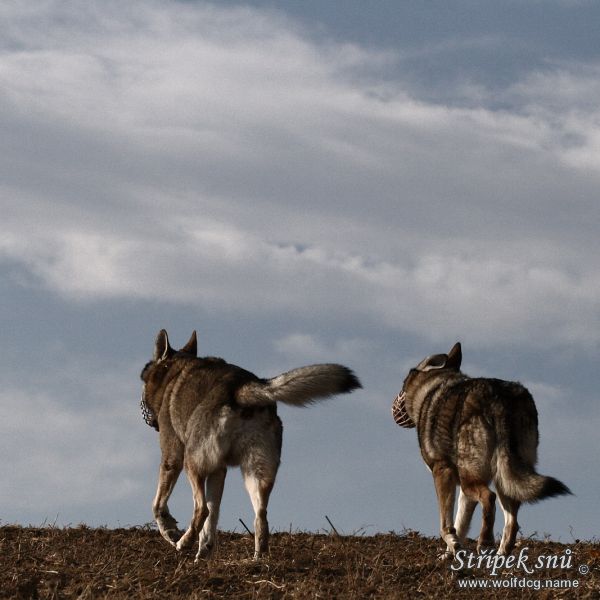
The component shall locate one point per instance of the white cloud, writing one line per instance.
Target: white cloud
(203, 155)
(565, 100)
(307, 347)
(435, 296)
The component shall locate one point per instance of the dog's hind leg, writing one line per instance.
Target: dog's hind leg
(200, 508)
(445, 479)
(167, 478)
(478, 491)
(464, 514)
(259, 488)
(510, 508)
(214, 492)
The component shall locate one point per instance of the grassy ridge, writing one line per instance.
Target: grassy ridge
(137, 563)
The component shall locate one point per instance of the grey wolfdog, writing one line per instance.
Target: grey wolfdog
(473, 431)
(210, 415)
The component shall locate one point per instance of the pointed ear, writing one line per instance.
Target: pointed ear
(435, 361)
(162, 348)
(454, 357)
(192, 346)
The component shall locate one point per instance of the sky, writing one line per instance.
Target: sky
(355, 182)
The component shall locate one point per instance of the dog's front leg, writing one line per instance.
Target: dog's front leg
(214, 492)
(167, 478)
(445, 479)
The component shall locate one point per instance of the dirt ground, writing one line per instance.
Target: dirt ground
(89, 563)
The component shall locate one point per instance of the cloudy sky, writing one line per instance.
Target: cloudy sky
(301, 182)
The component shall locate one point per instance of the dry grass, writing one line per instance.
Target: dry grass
(136, 563)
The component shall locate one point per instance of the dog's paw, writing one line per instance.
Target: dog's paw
(450, 552)
(172, 536)
(205, 552)
(486, 547)
(504, 551)
(184, 542)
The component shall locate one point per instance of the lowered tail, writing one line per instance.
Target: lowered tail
(517, 440)
(299, 387)
(521, 482)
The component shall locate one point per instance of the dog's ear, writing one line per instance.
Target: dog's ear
(162, 348)
(454, 357)
(192, 346)
(431, 363)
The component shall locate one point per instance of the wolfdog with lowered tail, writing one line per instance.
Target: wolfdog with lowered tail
(211, 415)
(473, 431)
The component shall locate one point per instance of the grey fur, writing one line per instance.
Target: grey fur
(299, 387)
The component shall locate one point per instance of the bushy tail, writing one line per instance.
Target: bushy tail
(299, 387)
(516, 425)
(521, 482)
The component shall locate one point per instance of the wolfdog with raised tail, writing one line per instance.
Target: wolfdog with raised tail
(473, 431)
(210, 415)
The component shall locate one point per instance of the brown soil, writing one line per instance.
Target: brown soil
(87, 563)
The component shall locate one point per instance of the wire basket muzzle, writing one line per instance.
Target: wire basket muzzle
(400, 413)
(147, 412)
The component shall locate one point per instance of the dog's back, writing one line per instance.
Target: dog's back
(199, 391)
(199, 405)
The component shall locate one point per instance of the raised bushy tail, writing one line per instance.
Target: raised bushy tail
(299, 387)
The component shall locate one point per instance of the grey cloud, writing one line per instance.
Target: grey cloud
(60, 456)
